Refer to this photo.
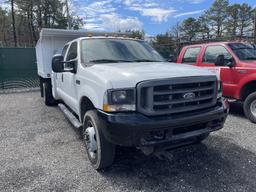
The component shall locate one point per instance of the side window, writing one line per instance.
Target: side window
(191, 55)
(72, 52)
(212, 52)
(64, 50)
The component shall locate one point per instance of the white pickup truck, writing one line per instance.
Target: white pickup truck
(120, 91)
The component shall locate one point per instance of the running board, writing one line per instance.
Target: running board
(73, 120)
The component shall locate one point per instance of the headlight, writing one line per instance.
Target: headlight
(219, 89)
(119, 100)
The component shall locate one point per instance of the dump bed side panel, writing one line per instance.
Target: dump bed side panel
(51, 42)
(39, 58)
(46, 48)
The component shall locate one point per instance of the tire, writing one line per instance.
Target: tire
(41, 87)
(202, 137)
(47, 92)
(104, 155)
(250, 107)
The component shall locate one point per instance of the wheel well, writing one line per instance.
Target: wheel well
(86, 105)
(248, 89)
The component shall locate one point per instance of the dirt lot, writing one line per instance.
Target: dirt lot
(40, 151)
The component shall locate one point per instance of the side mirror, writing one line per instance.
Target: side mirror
(171, 59)
(231, 63)
(220, 61)
(57, 63)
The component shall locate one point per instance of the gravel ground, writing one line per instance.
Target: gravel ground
(40, 151)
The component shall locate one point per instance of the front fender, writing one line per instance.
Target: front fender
(96, 97)
(244, 81)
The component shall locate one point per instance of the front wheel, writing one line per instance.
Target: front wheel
(101, 152)
(250, 107)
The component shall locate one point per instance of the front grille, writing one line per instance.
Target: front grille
(176, 95)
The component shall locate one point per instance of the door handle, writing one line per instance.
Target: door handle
(77, 82)
(242, 71)
(61, 77)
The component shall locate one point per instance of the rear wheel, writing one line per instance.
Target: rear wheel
(47, 94)
(250, 107)
(100, 152)
(41, 87)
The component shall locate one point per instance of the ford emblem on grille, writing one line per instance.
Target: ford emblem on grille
(189, 95)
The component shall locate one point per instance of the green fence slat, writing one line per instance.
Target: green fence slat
(18, 68)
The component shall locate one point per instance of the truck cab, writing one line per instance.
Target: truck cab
(120, 91)
(234, 63)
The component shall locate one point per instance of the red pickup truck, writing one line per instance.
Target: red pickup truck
(234, 62)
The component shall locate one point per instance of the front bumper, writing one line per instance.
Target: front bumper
(136, 129)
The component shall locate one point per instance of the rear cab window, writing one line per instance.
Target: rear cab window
(190, 56)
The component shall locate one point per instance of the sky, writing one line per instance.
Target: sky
(153, 16)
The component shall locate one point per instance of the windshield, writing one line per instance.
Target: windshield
(117, 50)
(244, 52)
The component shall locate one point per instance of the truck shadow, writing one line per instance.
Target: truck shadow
(236, 109)
(217, 165)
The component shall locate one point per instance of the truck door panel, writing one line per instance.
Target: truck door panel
(59, 76)
(68, 79)
(226, 74)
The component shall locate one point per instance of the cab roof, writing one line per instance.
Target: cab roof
(213, 43)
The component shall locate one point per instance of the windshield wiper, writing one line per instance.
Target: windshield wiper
(108, 61)
(145, 60)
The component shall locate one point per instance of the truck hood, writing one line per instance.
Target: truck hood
(122, 75)
(251, 64)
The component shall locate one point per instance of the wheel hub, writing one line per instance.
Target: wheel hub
(91, 143)
(253, 108)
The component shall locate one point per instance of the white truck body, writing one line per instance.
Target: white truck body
(136, 99)
(97, 79)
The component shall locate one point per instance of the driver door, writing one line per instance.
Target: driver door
(69, 88)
